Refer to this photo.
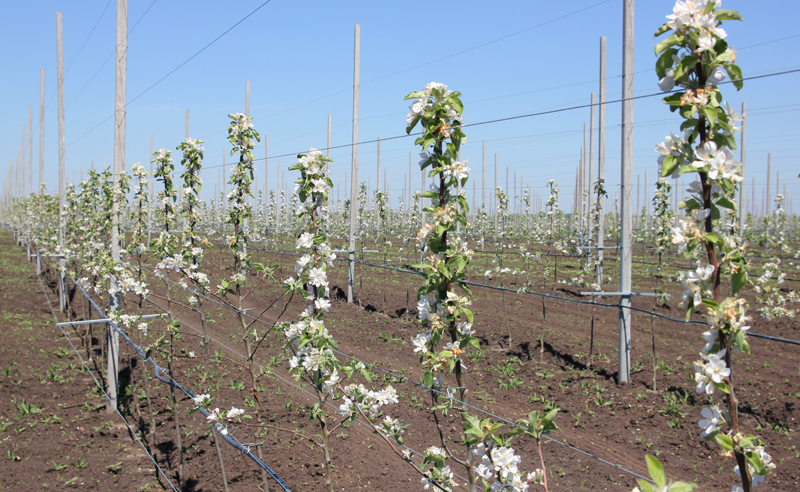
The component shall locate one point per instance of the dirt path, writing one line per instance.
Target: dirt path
(55, 431)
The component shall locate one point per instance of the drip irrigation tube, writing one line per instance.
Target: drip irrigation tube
(220, 429)
(100, 386)
(408, 380)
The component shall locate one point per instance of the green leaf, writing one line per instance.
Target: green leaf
(685, 66)
(656, 471)
(712, 238)
(661, 30)
(738, 280)
(456, 103)
(670, 41)
(669, 165)
(735, 73)
(665, 62)
(727, 203)
(711, 115)
(427, 379)
(727, 14)
(725, 441)
(414, 95)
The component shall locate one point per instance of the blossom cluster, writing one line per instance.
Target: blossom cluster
(370, 402)
(697, 22)
(498, 468)
(219, 418)
(427, 102)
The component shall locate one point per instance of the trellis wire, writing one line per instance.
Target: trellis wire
(407, 380)
(100, 386)
(550, 296)
(190, 393)
(260, 366)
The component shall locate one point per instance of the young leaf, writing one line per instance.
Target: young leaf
(656, 471)
(738, 281)
(727, 14)
(672, 40)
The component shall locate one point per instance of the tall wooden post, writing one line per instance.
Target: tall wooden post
(351, 272)
(626, 178)
(742, 210)
(422, 190)
(766, 193)
(410, 174)
(30, 150)
(266, 179)
(585, 185)
(494, 193)
(62, 174)
(24, 149)
(151, 201)
(589, 166)
(483, 176)
(119, 168)
(41, 128)
(601, 159)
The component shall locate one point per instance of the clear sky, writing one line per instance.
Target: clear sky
(507, 58)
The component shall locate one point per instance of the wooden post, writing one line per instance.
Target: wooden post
(62, 174)
(119, 168)
(585, 184)
(626, 177)
(354, 169)
(24, 150)
(766, 193)
(152, 194)
(422, 190)
(742, 209)
(266, 180)
(601, 159)
(589, 164)
(483, 176)
(378, 176)
(646, 201)
(30, 150)
(41, 128)
(408, 209)
(494, 193)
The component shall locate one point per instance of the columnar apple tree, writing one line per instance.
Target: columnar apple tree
(694, 59)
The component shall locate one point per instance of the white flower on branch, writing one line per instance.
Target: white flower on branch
(712, 419)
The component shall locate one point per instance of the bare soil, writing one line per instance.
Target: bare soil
(507, 377)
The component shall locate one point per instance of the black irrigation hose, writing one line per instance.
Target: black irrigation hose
(189, 392)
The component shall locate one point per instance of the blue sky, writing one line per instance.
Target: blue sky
(507, 58)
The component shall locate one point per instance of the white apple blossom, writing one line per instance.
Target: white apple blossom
(712, 418)
(420, 342)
